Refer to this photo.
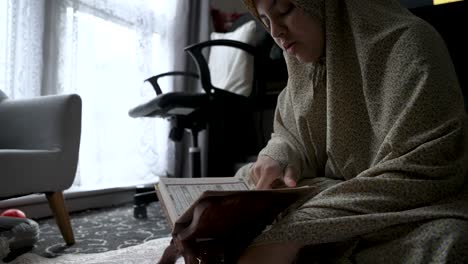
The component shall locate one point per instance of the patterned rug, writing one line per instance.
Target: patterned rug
(147, 253)
(102, 230)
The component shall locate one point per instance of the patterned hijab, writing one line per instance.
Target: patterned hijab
(387, 121)
(368, 51)
(313, 8)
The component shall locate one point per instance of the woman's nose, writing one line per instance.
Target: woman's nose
(277, 30)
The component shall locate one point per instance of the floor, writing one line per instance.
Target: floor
(103, 230)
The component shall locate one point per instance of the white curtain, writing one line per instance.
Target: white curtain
(101, 50)
(21, 47)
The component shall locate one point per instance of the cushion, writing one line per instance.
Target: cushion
(231, 68)
(262, 38)
(17, 233)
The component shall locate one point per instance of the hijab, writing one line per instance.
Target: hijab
(383, 115)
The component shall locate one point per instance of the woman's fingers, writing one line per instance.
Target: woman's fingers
(268, 174)
(264, 183)
(253, 173)
(290, 176)
(266, 171)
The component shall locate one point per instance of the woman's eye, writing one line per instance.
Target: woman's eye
(266, 22)
(287, 10)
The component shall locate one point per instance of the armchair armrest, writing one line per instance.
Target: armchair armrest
(45, 122)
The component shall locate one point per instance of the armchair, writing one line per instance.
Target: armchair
(39, 145)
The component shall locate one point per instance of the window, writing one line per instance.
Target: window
(101, 50)
(109, 51)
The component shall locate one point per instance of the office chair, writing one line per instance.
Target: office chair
(195, 111)
(235, 124)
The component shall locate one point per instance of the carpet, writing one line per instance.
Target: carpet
(102, 230)
(146, 253)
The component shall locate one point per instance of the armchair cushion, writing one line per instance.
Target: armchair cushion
(27, 171)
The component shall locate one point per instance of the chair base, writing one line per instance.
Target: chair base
(143, 196)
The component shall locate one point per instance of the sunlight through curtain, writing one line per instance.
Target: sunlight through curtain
(101, 50)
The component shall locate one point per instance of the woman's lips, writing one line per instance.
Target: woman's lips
(289, 47)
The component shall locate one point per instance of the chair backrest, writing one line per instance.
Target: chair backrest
(227, 61)
(196, 52)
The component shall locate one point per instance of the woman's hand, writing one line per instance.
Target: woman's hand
(266, 172)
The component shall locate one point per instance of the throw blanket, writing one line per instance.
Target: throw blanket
(382, 118)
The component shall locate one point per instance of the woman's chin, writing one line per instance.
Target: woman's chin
(307, 59)
(303, 59)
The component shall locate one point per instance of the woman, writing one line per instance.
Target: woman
(373, 116)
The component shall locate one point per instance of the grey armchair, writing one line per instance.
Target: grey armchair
(39, 145)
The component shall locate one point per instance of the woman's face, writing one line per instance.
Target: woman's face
(296, 32)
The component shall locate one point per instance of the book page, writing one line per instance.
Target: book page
(184, 191)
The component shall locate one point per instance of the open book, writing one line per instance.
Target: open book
(176, 195)
(179, 196)
(221, 216)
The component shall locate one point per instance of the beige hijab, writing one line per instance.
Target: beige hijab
(382, 120)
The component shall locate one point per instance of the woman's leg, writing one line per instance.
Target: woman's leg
(437, 241)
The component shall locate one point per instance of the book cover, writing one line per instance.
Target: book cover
(219, 217)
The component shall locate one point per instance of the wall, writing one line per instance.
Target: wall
(237, 6)
(229, 5)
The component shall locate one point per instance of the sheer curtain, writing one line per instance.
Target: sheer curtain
(102, 50)
(21, 25)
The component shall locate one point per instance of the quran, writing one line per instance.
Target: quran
(179, 196)
(215, 219)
